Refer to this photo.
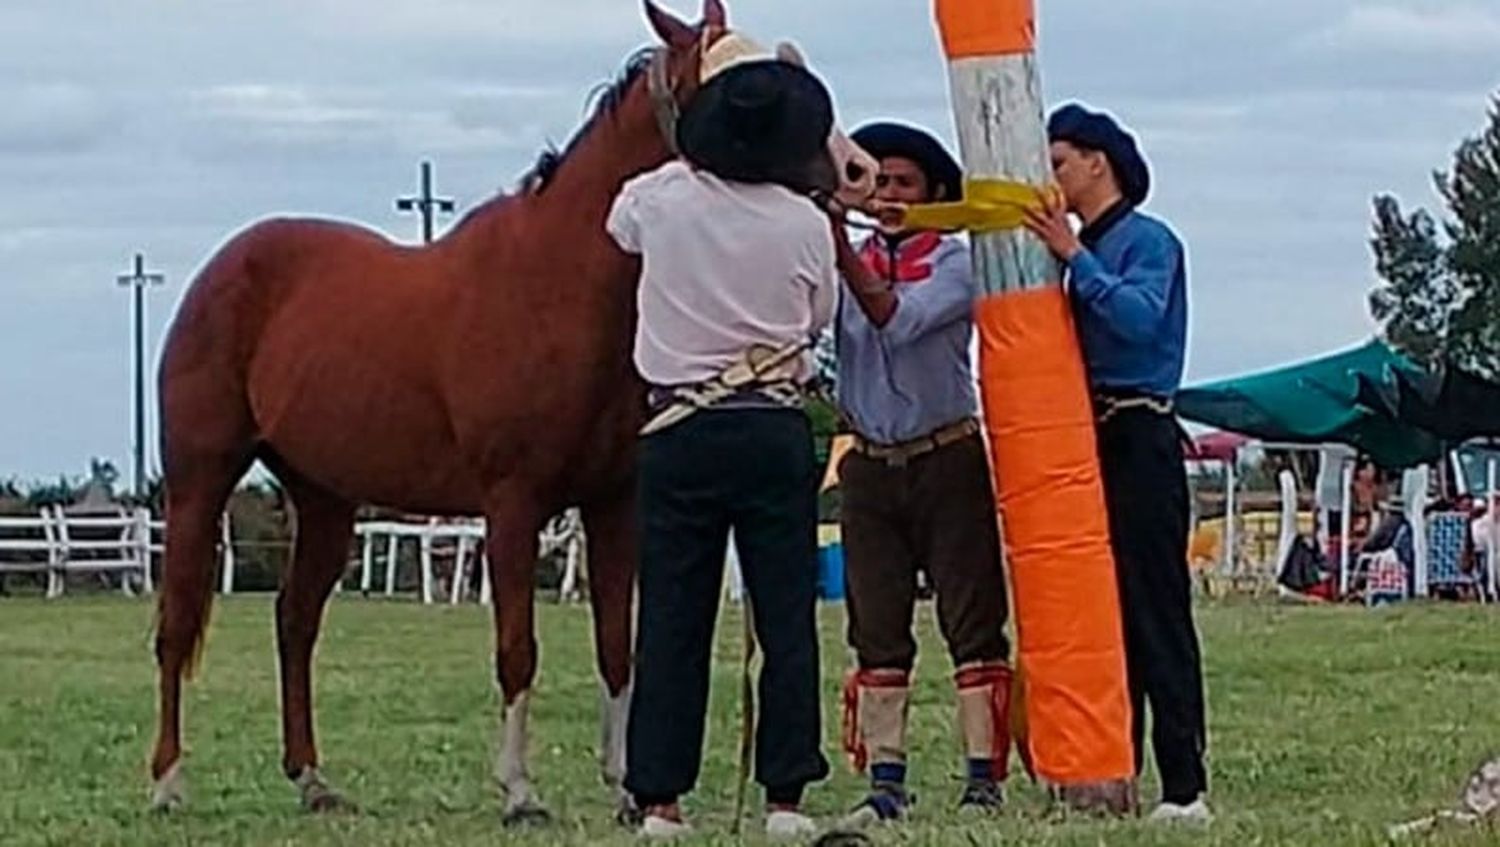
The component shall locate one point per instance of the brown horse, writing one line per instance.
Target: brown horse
(488, 373)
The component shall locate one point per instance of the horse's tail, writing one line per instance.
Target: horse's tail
(197, 609)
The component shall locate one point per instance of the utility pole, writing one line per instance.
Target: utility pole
(426, 204)
(139, 280)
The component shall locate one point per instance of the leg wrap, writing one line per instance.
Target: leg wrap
(875, 708)
(984, 692)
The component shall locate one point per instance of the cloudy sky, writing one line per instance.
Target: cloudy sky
(164, 126)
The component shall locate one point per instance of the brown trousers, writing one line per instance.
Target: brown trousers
(936, 513)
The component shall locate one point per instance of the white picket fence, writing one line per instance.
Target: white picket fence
(57, 543)
(129, 545)
(461, 540)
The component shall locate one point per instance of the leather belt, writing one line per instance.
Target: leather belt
(899, 454)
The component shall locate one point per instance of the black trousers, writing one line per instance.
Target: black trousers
(751, 470)
(1145, 488)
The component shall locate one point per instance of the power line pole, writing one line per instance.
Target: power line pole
(139, 280)
(426, 204)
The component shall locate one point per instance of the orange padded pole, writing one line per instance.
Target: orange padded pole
(1039, 420)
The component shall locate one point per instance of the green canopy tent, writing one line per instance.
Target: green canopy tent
(1453, 404)
(1320, 401)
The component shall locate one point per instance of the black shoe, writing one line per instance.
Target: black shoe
(886, 802)
(982, 795)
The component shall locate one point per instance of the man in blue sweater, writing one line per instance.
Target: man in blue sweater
(1127, 280)
(916, 485)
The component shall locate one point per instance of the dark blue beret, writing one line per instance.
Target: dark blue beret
(1098, 131)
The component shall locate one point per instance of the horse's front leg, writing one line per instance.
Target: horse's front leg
(610, 525)
(514, 520)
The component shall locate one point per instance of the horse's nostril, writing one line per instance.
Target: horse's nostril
(855, 172)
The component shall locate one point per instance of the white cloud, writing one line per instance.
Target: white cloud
(281, 106)
(53, 118)
(1414, 28)
(499, 23)
(275, 122)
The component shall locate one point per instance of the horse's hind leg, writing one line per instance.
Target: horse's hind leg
(196, 489)
(511, 546)
(325, 523)
(610, 525)
(207, 443)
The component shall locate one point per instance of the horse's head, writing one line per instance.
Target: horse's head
(695, 54)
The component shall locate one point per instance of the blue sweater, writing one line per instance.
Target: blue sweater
(912, 376)
(1129, 292)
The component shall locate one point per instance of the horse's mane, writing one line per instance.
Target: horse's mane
(606, 99)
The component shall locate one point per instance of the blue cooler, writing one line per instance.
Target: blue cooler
(831, 572)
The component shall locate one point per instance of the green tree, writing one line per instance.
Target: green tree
(59, 493)
(1439, 300)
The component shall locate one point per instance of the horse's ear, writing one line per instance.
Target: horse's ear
(788, 52)
(713, 15)
(672, 32)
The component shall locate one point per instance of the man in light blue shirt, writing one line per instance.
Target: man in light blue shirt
(916, 490)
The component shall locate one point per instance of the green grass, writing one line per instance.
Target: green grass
(1326, 725)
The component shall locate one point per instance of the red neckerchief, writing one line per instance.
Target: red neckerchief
(913, 257)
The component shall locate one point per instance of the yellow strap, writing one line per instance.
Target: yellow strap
(989, 205)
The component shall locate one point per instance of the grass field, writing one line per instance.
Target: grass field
(1326, 725)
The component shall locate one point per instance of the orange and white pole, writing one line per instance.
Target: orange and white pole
(1039, 419)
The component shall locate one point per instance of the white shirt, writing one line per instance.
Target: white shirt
(724, 266)
(1479, 530)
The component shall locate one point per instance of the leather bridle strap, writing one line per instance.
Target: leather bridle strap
(663, 97)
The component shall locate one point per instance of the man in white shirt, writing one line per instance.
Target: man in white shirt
(732, 258)
(1479, 529)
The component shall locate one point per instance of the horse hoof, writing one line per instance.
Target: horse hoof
(327, 801)
(317, 797)
(526, 815)
(167, 793)
(630, 816)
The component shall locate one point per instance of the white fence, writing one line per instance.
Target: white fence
(129, 545)
(57, 544)
(462, 541)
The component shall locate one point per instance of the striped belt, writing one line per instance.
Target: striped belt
(759, 376)
(761, 395)
(897, 455)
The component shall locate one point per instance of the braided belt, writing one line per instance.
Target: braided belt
(1107, 406)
